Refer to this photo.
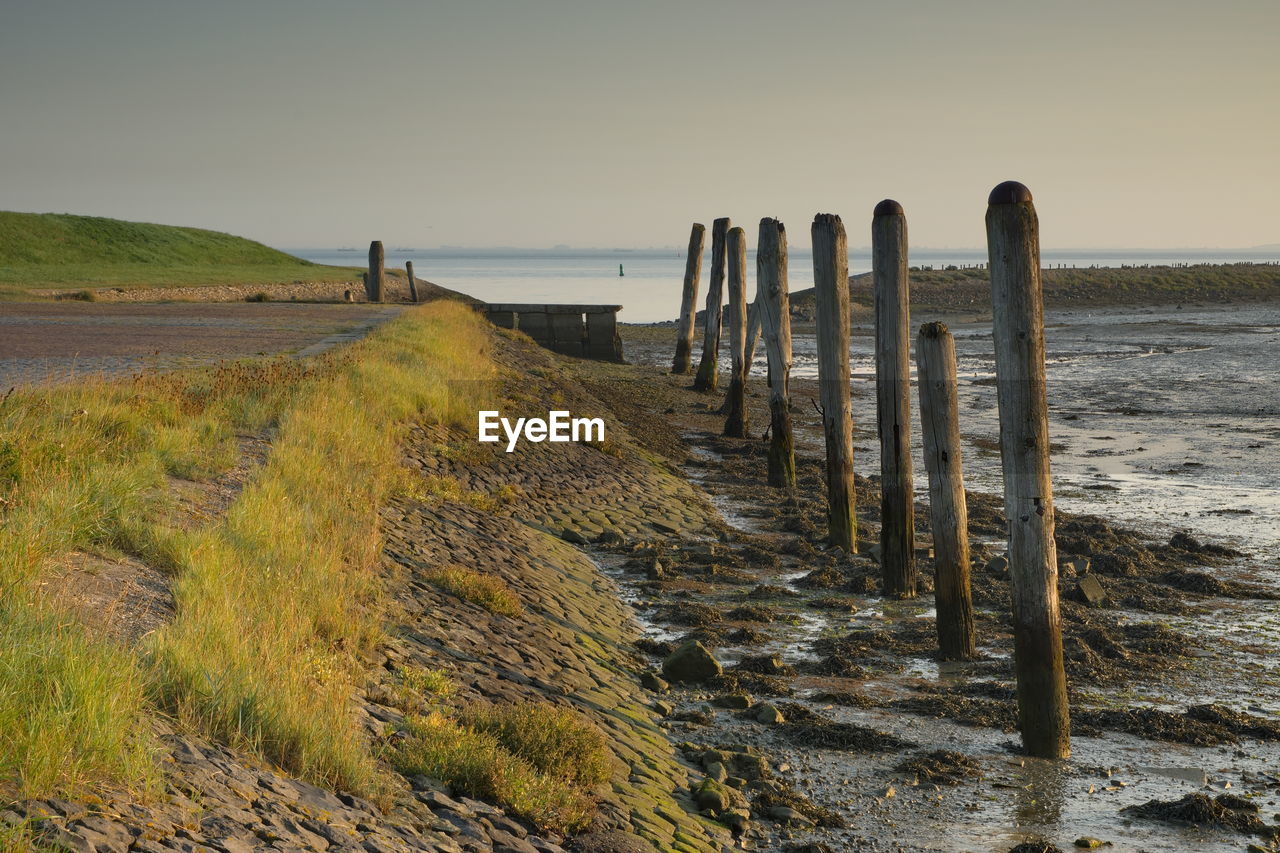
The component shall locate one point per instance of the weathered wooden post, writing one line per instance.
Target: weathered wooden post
(683, 362)
(775, 320)
(831, 291)
(893, 407)
(708, 376)
(948, 512)
(373, 283)
(753, 328)
(735, 424)
(1013, 248)
(413, 287)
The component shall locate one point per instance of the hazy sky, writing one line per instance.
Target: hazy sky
(602, 123)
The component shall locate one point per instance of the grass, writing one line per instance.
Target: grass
(39, 250)
(538, 761)
(488, 591)
(275, 601)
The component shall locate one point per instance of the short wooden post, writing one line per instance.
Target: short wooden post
(708, 375)
(374, 282)
(831, 291)
(413, 287)
(948, 512)
(893, 406)
(735, 424)
(775, 320)
(683, 362)
(1017, 304)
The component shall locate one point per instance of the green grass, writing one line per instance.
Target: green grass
(539, 761)
(488, 591)
(49, 250)
(275, 601)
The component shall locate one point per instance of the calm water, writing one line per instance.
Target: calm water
(650, 289)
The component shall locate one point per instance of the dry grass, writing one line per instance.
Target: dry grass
(274, 601)
(538, 761)
(488, 591)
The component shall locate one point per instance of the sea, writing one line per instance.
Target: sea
(647, 282)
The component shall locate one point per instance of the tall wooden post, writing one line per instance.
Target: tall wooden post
(374, 282)
(413, 286)
(1013, 247)
(735, 424)
(708, 375)
(948, 512)
(893, 407)
(753, 328)
(683, 362)
(775, 320)
(831, 290)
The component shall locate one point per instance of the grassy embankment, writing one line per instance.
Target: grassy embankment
(48, 250)
(276, 600)
(970, 289)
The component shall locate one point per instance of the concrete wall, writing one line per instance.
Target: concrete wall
(584, 331)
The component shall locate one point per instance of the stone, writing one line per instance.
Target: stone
(740, 701)
(655, 571)
(998, 565)
(691, 663)
(712, 796)
(1075, 566)
(573, 537)
(663, 709)
(650, 680)
(717, 771)
(789, 816)
(769, 715)
(1087, 843)
(1090, 590)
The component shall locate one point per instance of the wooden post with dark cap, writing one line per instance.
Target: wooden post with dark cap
(413, 287)
(708, 368)
(735, 424)
(683, 362)
(948, 512)
(775, 320)
(893, 406)
(373, 283)
(1013, 247)
(831, 291)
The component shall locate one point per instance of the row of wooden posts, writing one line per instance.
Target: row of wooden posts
(375, 278)
(1018, 321)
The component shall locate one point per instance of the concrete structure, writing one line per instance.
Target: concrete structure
(585, 331)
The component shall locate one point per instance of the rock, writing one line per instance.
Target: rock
(740, 701)
(691, 663)
(1090, 590)
(609, 537)
(736, 782)
(998, 565)
(663, 709)
(655, 571)
(788, 816)
(738, 824)
(872, 551)
(769, 715)
(574, 537)
(650, 680)
(712, 796)
(924, 553)
(1075, 566)
(749, 767)
(609, 841)
(1088, 843)
(717, 771)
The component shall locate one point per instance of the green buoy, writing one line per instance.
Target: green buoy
(620, 273)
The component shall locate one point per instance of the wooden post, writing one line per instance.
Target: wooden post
(413, 287)
(831, 290)
(893, 407)
(735, 424)
(1017, 304)
(753, 329)
(775, 320)
(683, 362)
(373, 283)
(708, 375)
(948, 512)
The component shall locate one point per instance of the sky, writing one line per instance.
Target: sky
(1136, 123)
